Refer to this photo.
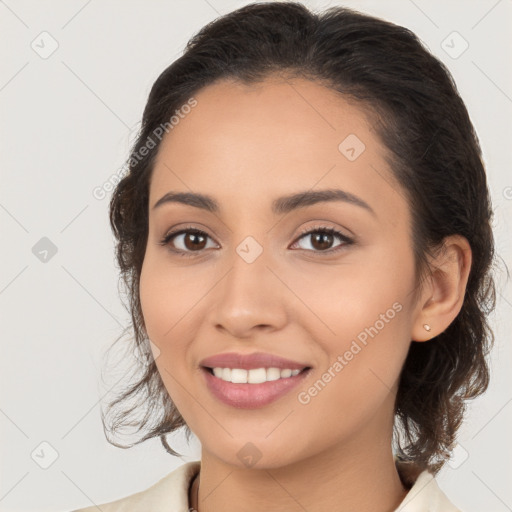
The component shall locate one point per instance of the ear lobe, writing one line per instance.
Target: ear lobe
(444, 295)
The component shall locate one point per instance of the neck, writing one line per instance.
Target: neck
(340, 480)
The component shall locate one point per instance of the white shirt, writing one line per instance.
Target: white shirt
(170, 494)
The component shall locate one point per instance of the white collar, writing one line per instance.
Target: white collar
(171, 493)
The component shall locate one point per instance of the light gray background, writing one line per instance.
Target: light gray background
(65, 129)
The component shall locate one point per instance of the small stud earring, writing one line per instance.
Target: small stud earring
(427, 327)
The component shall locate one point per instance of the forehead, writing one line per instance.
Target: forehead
(245, 142)
(275, 114)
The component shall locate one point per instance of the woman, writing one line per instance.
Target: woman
(305, 234)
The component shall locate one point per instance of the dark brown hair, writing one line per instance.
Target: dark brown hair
(435, 157)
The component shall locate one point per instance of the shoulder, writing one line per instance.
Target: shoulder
(424, 493)
(169, 493)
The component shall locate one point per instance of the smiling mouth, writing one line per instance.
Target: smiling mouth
(232, 386)
(253, 376)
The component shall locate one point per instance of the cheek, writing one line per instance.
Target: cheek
(361, 321)
(164, 306)
(153, 296)
(361, 370)
(172, 298)
(168, 295)
(346, 299)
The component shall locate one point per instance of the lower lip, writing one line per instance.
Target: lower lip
(251, 396)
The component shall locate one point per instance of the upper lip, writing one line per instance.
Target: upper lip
(250, 361)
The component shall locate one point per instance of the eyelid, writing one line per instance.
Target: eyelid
(322, 227)
(172, 233)
(335, 231)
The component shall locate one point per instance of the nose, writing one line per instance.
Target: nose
(249, 298)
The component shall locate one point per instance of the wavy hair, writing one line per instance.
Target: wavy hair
(434, 154)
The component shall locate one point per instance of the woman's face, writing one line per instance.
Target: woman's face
(340, 305)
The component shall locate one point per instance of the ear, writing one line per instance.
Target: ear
(444, 290)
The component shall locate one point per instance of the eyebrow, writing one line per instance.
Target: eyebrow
(281, 205)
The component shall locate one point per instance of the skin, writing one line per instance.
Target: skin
(245, 146)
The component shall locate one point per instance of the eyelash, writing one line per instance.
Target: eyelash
(189, 229)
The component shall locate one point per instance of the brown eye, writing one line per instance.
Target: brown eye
(186, 241)
(194, 240)
(323, 238)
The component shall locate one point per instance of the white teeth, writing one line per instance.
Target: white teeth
(273, 373)
(238, 376)
(255, 376)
